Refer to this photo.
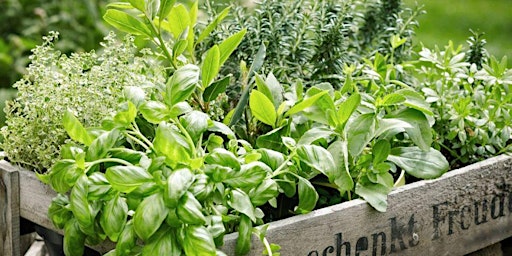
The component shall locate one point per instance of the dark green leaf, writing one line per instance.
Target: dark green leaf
(315, 134)
(170, 143)
(415, 100)
(223, 157)
(262, 108)
(243, 242)
(130, 155)
(59, 212)
(189, 210)
(273, 139)
(127, 115)
(74, 239)
(181, 84)
(250, 174)
(63, 175)
(155, 111)
(126, 23)
(177, 185)
(127, 178)
(212, 92)
(197, 241)
(380, 151)
(113, 217)
(195, 122)
(418, 163)
(241, 202)
(149, 215)
(75, 129)
(375, 194)
(98, 186)
(211, 65)
(80, 206)
(265, 191)
(271, 158)
(342, 178)
(307, 196)
(420, 131)
(360, 132)
(163, 242)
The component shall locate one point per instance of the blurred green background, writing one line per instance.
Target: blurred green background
(452, 20)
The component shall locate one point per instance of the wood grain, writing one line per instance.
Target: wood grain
(9, 212)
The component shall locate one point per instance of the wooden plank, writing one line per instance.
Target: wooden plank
(463, 211)
(9, 212)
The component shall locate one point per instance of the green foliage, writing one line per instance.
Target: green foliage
(471, 103)
(89, 84)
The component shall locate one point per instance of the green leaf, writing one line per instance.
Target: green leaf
(243, 242)
(102, 144)
(127, 115)
(213, 90)
(307, 196)
(244, 97)
(197, 241)
(273, 139)
(265, 191)
(127, 178)
(347, 108)
(177, 185)
(223, 157)
(276, 89)
(315, 134)
(75, 129)
(126, 240)
(271, 157)
(130, 155)
(342, 178)
(216, 226)
(163, 242)
(149, 215)
(419, 131)
(415, 100)
(211, 65)
(204, 34)
(229, 45)
(221, 128)
(98, 186)
(196, 123)
(360, 132)
(74, 239)
(189, 210)
(165, 8)
(80, 206)
(170, 143)
(138, 4)
(241, 202)
(113, 217)
(318, 158)
(59, 212)
(262, 108)
(126, 23)
(63, 175)
(179, 20)
(306, 103)
(250, 174)
(262, 87)
(155, 111)
(136, 95)
(419, 163)
(181, 84)
(392, 99)
(375, 194)
(380, 151)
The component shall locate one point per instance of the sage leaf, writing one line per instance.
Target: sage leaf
(418, 163)
(149, 215)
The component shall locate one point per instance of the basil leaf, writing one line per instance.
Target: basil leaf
(196, 123)
(181, 84)
(319, 159)
(149, 216)
(250, 174)
(74, 239)
(307, 196)
(223, 157)
(155, 111)
(113, 217)
(127, 178)
(63, 175)
(126, 240)
(177, 185)
(80, 206)
(102, 144)
(75, 129)
(197, 241)
(59, 211)
(243, 242)
(189, 210)
(265, 191)
(170, 143)
(241, 202)
(163, 242)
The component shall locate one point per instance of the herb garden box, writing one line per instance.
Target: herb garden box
(463, 211)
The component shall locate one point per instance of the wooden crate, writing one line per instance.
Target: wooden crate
(462, 212)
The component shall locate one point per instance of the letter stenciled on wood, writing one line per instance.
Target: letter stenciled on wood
(340, 244)
(328, 250)
(414, 238)
(479, 221)
(397, 232)
(377, 245)
(451, 220)
(501, 206)
(361, 245)
(466, 209)
(437, 218)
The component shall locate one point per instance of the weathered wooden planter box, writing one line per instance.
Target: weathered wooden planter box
(463, 211)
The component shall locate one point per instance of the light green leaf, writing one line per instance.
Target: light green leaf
(318, 158)
(74, 239)
(126, 240)
(265, 191)
(196, 123)
(241, 202)
(343, 179)
(392, 99)
(380, 151)
(347, 108)
(415, 100)
(419, 163)
(243, 241)
(138, 4)
(360, 132)
(177, 184)
(375, 194)
(315, 134)
(102, 144)
(213, 90)
(127, 115)
(113, 217)
(307, 196)
(197, 241)
(170, 143)
(181, 84)
(80, 206)
(306, 103)
(213, 25)
(419, 130)
(189, 210)
(210, 67)
(149, 215)
(155, 111)
(126, 23)
(229, 45)
(163, 242)
(250, 175)
(75, 129)
(276, 89)
(127, 178)
(179, 20)
(223, 157)
(262, 108)
(165, 8)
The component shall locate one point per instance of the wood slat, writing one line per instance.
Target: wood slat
(9, 211)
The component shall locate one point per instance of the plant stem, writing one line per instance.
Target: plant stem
(190, 141)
